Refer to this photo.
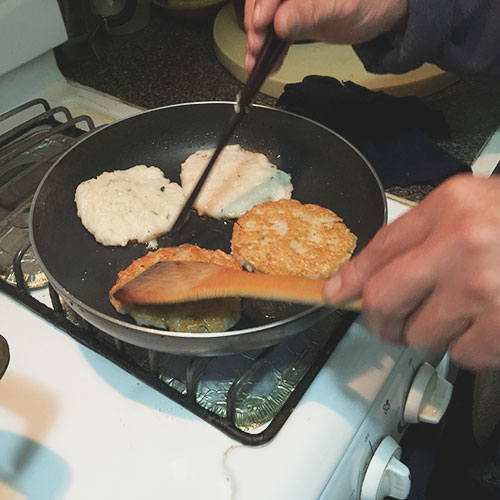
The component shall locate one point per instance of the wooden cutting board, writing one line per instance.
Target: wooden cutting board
(315, 58)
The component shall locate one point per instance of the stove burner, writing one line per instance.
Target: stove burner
(248, 396)
(27, 151)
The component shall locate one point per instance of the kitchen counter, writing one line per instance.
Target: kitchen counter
(173, 61)
(168, 62)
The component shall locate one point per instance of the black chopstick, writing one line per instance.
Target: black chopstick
(271, 51)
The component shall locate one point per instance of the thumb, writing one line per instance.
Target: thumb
(390, 242)
(294, 19)
(346, 284)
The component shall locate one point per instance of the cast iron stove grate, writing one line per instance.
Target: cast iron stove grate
(247, 396)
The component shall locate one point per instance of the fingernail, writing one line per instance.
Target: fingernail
(332, 287)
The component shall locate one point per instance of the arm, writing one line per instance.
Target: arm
(332, 21)
(462, 36)
(390, 36)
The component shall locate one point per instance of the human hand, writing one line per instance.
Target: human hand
(332, 21)
(431, 279)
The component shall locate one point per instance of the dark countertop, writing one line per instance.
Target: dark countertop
(170, 61)
(173, 61)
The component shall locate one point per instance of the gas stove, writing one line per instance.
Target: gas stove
(82, 414)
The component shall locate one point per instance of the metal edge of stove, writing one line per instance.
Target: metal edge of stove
(487, 161)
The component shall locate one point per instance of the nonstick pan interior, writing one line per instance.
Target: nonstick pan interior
(325, 170)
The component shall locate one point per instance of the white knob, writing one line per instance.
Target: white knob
(428, 397)
(386, 475)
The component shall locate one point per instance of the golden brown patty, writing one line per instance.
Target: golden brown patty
(288, 238)
(204, 316)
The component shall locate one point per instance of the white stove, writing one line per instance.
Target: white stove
(73, 425)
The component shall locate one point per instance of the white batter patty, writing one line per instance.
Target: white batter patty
(137, 204)
(238, 181)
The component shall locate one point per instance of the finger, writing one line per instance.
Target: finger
(406, 232)
(254, 43)
(340, 22)
(250, 35)
(264, 13)
(296, 19)
(395, 296)
(251, 54)
(259, 15)
(248, 15)
(409, 230)
(439, 321)
(428, 296)
(478, 349)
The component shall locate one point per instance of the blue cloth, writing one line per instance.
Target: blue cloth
(397, 135)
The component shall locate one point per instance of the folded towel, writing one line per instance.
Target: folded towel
(396, 134)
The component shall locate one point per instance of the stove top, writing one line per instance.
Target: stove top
(334, 381)
(248, 396)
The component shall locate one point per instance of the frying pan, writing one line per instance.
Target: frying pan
(325, 170)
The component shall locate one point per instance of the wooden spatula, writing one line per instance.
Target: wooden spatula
(183, 281)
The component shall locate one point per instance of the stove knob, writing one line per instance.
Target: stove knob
(386, 475)
(428, 397)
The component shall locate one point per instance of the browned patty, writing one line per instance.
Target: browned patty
(290, 238)
(203, 316)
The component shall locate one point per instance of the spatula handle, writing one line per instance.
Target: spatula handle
(265, 286)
